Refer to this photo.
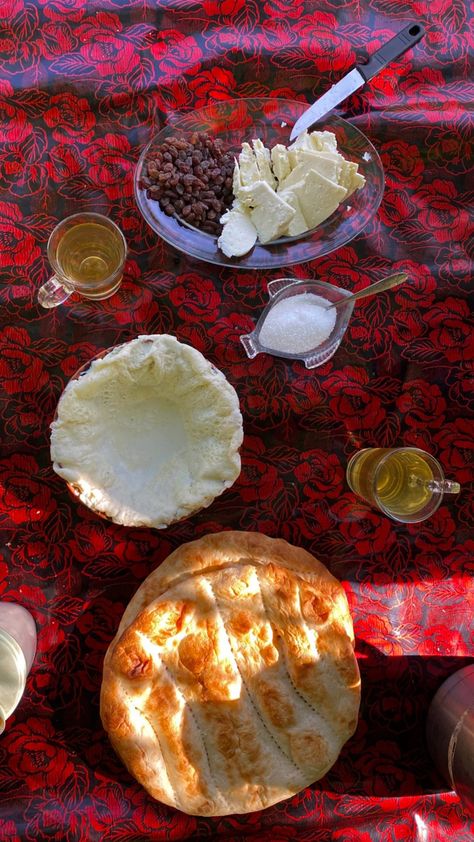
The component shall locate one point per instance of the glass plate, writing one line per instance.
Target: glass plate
(271, 120)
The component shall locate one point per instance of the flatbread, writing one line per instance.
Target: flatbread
(148, 434)
(232, 681)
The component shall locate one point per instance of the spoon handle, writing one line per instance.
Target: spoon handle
(379, 286)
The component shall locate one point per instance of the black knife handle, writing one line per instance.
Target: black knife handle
(403, 41)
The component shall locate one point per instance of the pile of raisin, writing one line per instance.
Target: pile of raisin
(191, 179)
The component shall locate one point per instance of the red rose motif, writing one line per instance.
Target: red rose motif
(99, 623)
(195, 297)
(17, 54)
(175, 52)
(131, 305)
(450, 146)
(20, 369)
(318, 37)
(226, 8)
(436, 533)
(456, 446)
(397, 208)
(351, 401)
(441, 212)
(23, 497)
(35, 757)
(14, 126)
(422, 403)
(173, 96)
(19, 247)
(443, 640)
(111, 165)
(70, 117)
(320, 474)
(364, 529)
(284, 10)
(23, 165)
(50, 818)
(108, 801)
(57, 37)
(229, 350)
(41, 560)
(426, 91)
(92, 539)
(128, 108)
(454, 265)
(72, 10)
(259, 480)
(8, 831)
(10, 9)
(403, 164)
(78, 355)
(449, 329)
(382, 771)
(63, 164)
(216, 83)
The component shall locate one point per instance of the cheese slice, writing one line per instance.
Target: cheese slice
(249, 172)
(270, 213)
(318, 198)
(302, 142)
(239, 234)
(350, 178)
(305, 160)
(323, 141)
(262, 155)
(298, 224)
(236, 179)
(280, 161)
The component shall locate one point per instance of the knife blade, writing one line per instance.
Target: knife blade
(358, 76)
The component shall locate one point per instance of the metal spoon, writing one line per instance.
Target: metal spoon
(379, 286)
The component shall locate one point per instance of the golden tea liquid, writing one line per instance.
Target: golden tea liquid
(91, 255)
(397, 483)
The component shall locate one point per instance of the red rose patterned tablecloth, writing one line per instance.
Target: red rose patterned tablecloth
(83, 86)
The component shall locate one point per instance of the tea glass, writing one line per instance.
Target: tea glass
(405, 483)
(61, 285)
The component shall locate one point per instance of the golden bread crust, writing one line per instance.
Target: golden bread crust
(232, 682)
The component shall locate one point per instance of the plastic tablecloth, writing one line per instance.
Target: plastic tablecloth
(83, 86)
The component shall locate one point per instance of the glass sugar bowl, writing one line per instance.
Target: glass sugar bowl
(295, 325)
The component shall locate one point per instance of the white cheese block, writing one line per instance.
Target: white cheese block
(236, 180)
(262, 155)
(303, 141)
(304, 160)
(239, 234)
(298, 224)
(350, 178)
(249, 172)
(323, 141)
(270, 214)
(318, 198)
(280, 161)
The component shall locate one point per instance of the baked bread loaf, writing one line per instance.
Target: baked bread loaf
(232, 682)
(149, 434)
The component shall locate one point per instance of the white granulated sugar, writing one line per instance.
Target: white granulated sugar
(298, 324)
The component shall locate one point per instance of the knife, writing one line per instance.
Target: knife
(356, 78)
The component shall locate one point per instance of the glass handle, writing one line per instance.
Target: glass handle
(445, 486)
(250, 348)
(53, 293)
(449, 487)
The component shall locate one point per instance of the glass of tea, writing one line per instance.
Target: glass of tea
(87, 252)
(405, 483)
